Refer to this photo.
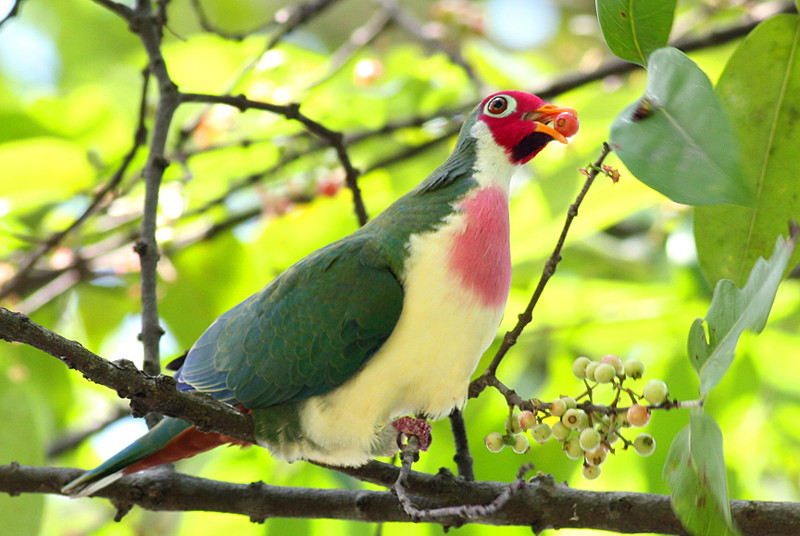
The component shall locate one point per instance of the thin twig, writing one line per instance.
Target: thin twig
(510, 338)
(139, 138)
(292, 111)
(462, 457)
(72, 440)
(462, 512)
(360, 38)
(208, 26)
(146, 246)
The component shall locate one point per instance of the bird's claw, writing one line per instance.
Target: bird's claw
(419, 428)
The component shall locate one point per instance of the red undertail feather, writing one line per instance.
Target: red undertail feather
(184, 445)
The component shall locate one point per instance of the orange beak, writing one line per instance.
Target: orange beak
(546, 114)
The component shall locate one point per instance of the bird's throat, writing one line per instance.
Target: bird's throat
(480, 256)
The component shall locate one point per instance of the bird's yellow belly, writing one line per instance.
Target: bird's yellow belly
(423, 368)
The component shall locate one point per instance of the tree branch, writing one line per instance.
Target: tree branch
(292, 111)
(146, 393)
(540, 504)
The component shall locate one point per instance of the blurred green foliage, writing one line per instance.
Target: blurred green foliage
(629, 283)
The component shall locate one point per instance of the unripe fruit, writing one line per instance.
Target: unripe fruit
(644, 444)
(596, 456)
(604, 373)
(542, 432)
(558, 407)
(494, 442)
(584, 423)
(579, 367)
(572, 418)
(590, 472)
(560, 431)
(589, 439)
(572, 448)
(527, 420)
(638, 415)
(656, 392)
(512, 424)
(571, 404)
(521, 445)
(634, 368)
(590, 368)
(616, 362)
(621, 420)
(566, 124)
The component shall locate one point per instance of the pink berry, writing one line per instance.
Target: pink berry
(526, 420)
(616, 362)
(328, 187)
(566, 124)
(638, 415)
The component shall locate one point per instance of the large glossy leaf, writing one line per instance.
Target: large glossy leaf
(731, 312)
(677, 139)
(635, 28)
(761, 88)
(695, 471)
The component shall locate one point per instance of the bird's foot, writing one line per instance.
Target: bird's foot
(420, 428)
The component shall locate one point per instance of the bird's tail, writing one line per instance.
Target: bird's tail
(169, 441)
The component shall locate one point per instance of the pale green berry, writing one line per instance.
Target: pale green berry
(579, 367)
(596, 456)
(634, 369)
(590, 368)
(644, 444)
(604, 373)
(560, 431)
(590, 472)
(521, 445)
(542, 432)
(527, 420)
(621, 420)
(572, 448)
(589, 439)
(616, 362)
(571, 404)
(584, 422)
(512, 424)
(558, 407)
(655, 392)
(572, 417)
(494, 441)
(638, 415)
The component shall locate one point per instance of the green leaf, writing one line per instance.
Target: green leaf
(677, 139)
(635, 28)
(760, 86)
(695, 470)
(731, 312)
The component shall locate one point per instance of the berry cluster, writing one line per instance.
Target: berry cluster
(584, 428)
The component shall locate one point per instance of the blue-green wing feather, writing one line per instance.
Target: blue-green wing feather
(305, 333)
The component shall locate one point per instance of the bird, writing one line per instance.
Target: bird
(358, 345)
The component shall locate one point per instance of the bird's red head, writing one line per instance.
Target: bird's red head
(519, 122)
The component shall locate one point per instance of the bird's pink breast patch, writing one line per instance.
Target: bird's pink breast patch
(480, 255)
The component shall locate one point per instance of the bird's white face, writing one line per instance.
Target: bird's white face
(519, 123)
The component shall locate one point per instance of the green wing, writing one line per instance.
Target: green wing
(305, 333)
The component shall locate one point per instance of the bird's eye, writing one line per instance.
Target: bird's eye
(500, 106)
